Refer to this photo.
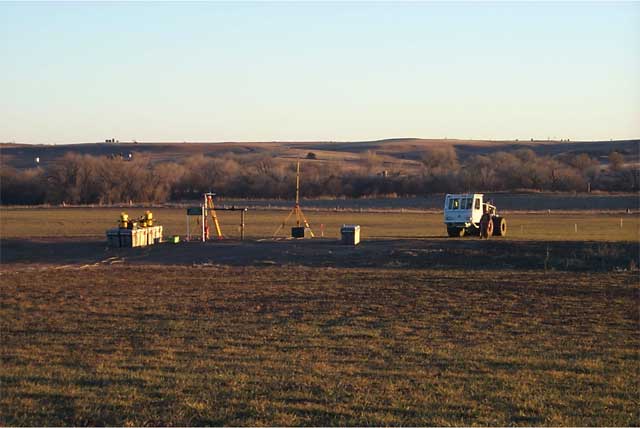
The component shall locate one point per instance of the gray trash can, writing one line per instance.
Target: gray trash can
(350, 234)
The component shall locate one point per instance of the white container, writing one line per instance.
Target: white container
(142, 237)
(350, 234)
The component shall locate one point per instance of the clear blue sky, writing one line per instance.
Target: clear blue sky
(83, 72)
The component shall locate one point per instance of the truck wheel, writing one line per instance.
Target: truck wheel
(455, 232)
(499, 226)
(489, 228)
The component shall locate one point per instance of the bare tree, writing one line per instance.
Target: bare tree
(616, 160)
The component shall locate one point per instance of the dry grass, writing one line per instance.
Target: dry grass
(399, 150)
(153, 345)
(214, 345)
(92, 222)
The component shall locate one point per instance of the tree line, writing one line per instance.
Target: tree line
(85, 179)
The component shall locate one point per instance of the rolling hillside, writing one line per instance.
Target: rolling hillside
(391, 151)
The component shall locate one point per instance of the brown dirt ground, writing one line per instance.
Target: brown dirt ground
(428, 253)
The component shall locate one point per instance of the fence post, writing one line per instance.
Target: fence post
(242, 224)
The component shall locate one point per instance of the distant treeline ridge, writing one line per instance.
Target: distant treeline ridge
(85, 179)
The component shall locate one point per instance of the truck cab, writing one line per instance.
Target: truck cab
(463, 211)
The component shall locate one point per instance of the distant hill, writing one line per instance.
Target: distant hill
(391, 151)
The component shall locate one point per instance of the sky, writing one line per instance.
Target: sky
(83, 72)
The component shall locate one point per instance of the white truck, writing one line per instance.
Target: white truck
(463, 213)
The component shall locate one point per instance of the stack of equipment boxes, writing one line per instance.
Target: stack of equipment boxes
(134, 233)
(128, 238)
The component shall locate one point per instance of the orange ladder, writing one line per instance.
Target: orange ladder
(211, 211)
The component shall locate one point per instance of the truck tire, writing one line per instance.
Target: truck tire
(455, 232)
(499, 226)
(489, 228)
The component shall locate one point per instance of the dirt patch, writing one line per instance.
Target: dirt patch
(378, 253)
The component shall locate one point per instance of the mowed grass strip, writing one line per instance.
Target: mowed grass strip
(93, 222)
(154, 345)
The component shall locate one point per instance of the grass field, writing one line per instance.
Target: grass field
(152, 345)
(541, 328)
(92, 222)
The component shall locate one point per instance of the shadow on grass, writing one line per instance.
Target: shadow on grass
(496, 254)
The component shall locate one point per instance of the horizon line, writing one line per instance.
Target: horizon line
(516, 140)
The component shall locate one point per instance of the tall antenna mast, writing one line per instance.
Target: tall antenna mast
(300, 218)
(298, 184)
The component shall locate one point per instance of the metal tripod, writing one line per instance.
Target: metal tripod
(300, 218)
